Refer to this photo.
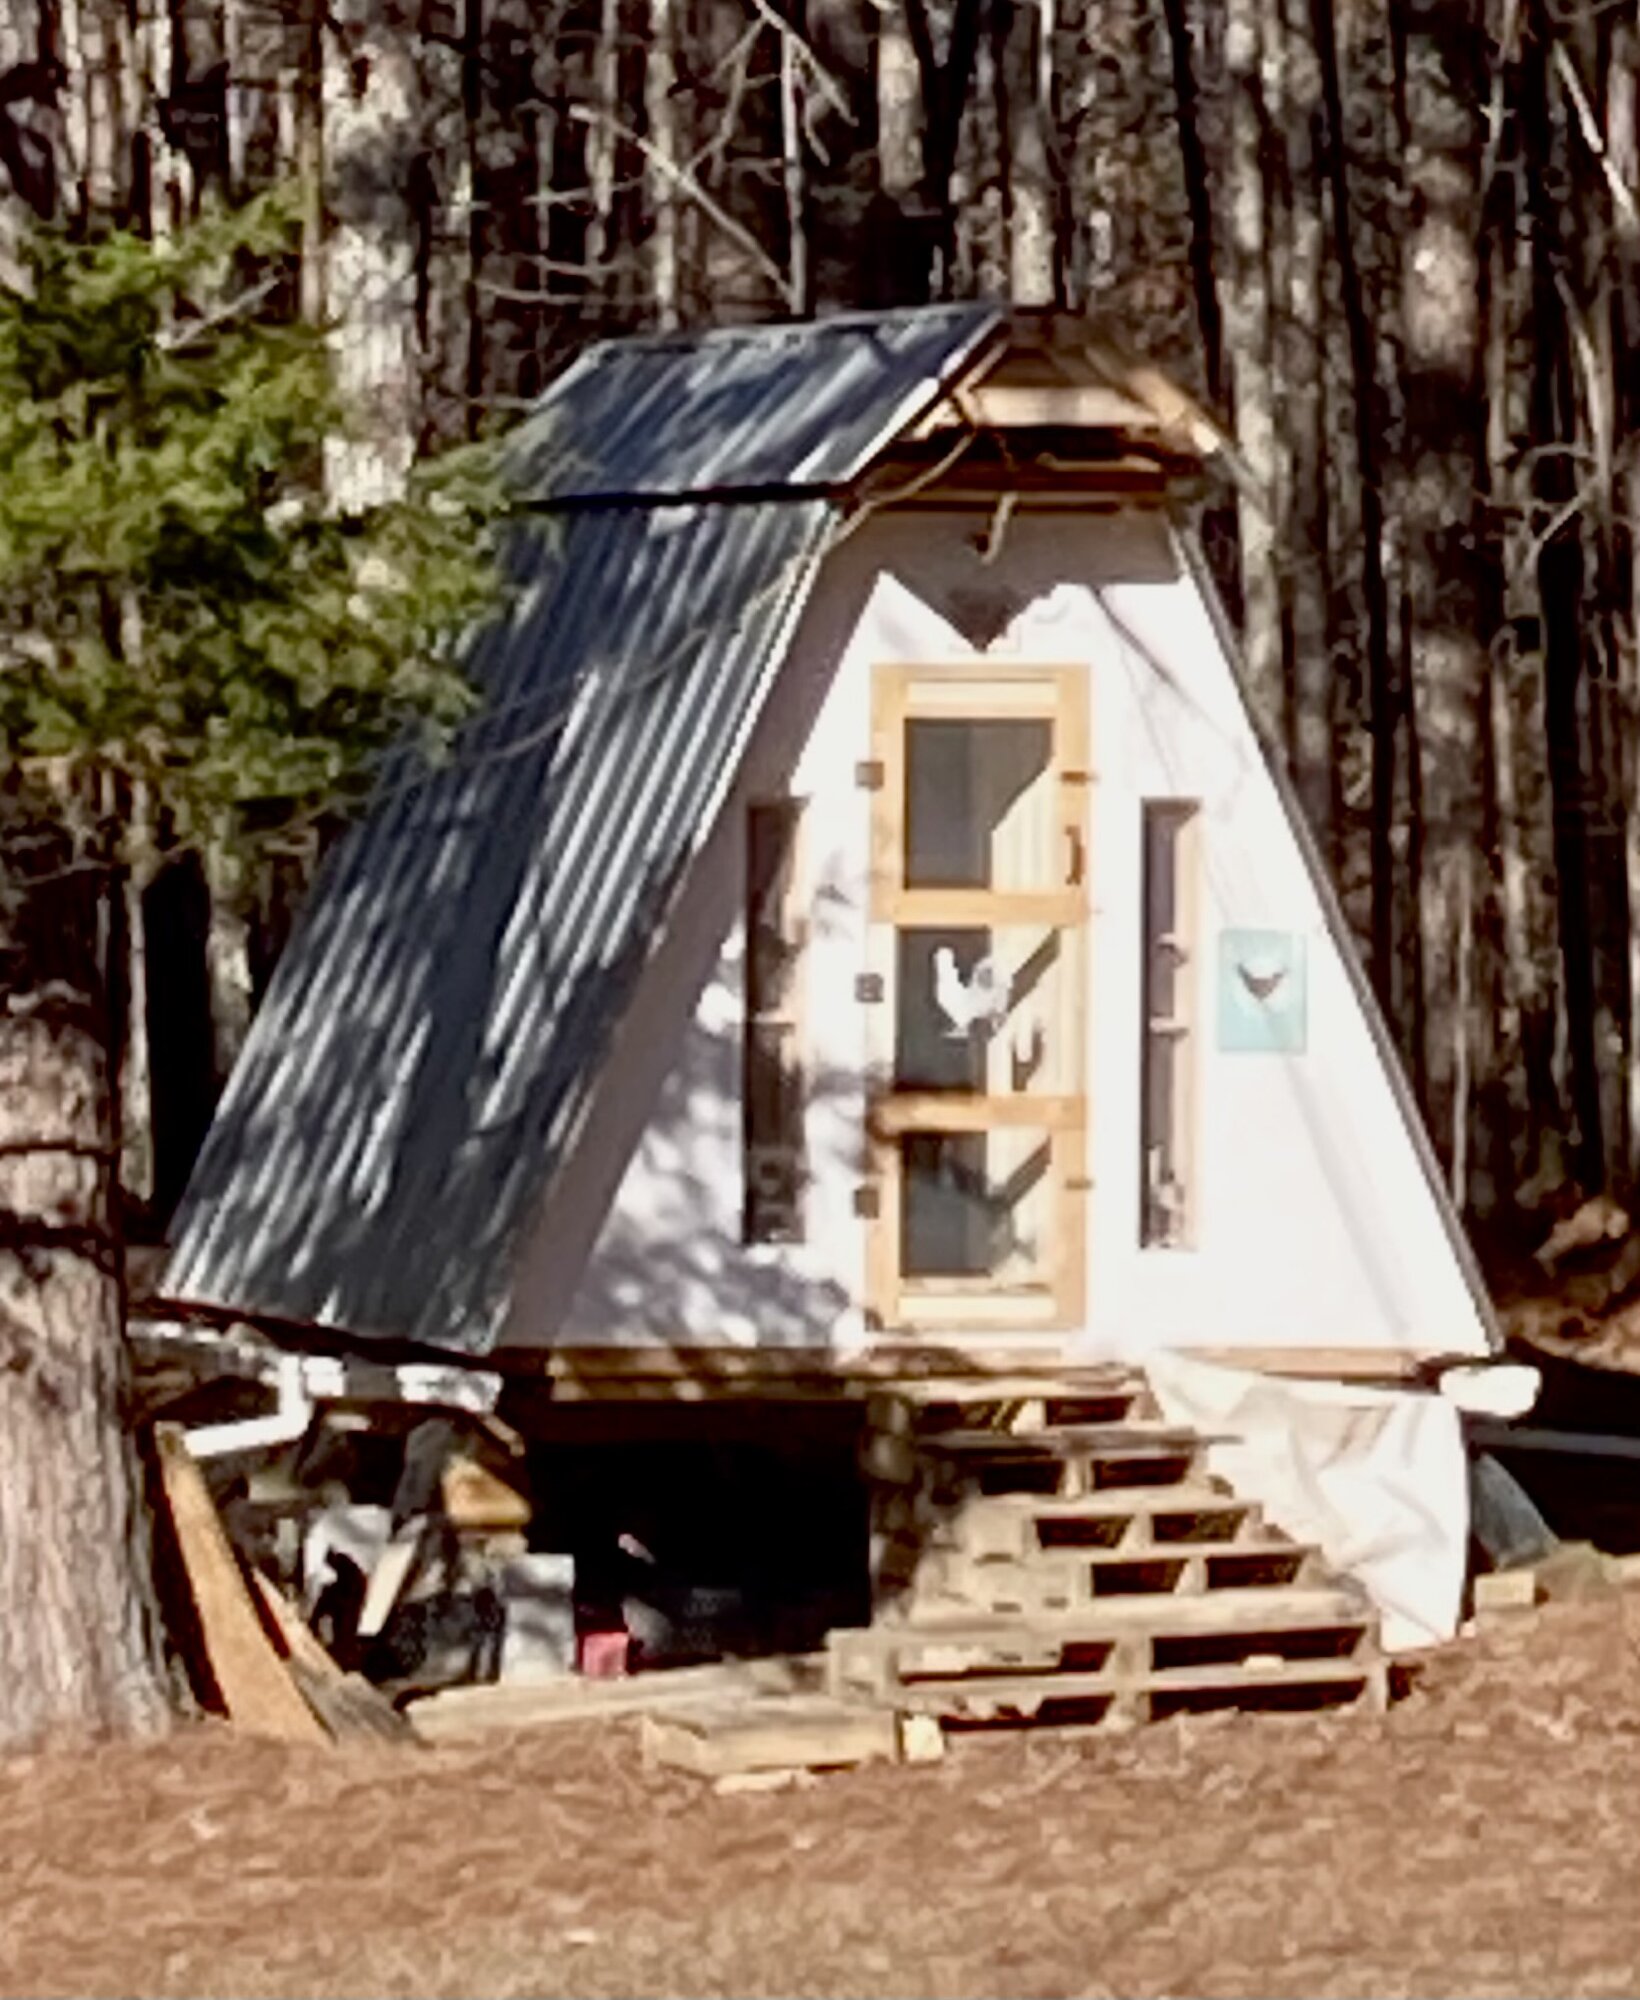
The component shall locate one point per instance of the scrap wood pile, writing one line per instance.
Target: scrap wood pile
(1055, 1556)
(1043, 1553)
(324, 1583)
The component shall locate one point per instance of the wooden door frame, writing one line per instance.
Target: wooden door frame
(981, 690)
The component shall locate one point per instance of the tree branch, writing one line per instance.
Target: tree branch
(687, 184)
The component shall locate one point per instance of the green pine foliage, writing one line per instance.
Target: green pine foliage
(182, 617)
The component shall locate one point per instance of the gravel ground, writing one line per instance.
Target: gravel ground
(1482, 1838)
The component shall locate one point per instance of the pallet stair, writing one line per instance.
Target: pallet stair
(1057, 1553)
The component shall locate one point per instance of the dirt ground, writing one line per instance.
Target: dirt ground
(1480, 1839)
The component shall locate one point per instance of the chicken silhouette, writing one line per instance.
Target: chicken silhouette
(981, 1000)
(1261, 984)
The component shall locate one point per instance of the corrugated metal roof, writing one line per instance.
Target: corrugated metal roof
(806, 405)
(414, 1076)
(432, 1033)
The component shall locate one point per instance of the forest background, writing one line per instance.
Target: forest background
(1395, 243)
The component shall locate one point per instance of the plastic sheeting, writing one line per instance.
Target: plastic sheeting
(1377, 1479)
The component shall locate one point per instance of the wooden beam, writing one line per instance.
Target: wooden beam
(257, 1693)
(951, 1111)
(702, 1374)
(1337, 1364)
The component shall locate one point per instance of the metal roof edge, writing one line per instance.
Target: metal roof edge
(800, 587)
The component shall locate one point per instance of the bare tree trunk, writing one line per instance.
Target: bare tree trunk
(1461, 1017)
(1247, 319)
(945, 89)
(1025, 77)
(227, 962)
(369, 103)
(1561, 578)
(79, 1634)
(601, 143)
(899, 124)
(302, 147)
(1308, 668)
(1368, 412)
(660, 76)
(798, 276)
(1198, 196)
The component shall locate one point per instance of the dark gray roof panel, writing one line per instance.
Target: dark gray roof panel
(805, 405)
(416, 1071)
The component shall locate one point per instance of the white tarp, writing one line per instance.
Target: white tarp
(1377, 1479)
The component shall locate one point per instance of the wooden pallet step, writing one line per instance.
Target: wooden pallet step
(1119, 1440)
(1146, 1697)
(1060, 1580)
(1017, 1385)
(1065, 1474)
(1024, 1411)
(1178, 1631)
(1177, 1516)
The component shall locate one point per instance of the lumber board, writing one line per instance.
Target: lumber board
(1218, 1613)
(1072, 1576)
(1137, 1439)
(389, 1577)
(1180, 1497)
(1027, 1694)
(1061, 1388)
(794, 1732)
(347, 1704)
(257, 1692)
(1011, 1524)
(462, 1711)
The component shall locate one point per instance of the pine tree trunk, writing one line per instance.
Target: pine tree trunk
(660, 78)
(1198, 195)
(227, 964)
(798, 280)
(79, 1634)
(1308, 672)
(1366, 405)
(1247, 320)
(899, 155)
(1028, 188)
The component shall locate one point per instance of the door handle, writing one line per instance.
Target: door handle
(1077, 856)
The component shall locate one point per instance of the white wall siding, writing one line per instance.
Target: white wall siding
(1315, 1224)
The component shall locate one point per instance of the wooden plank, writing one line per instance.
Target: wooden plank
(1021, 1387)
(795, 1732)
(256, 1690)
(1184, 1498)
(944, 1111)
(1332, 1364)
(1010, 1524)
(470, 1711)
(1220, 1613)
(389, 1577)
(1027, 1694)
(347, 1704)
(669, 1368)
(1059, 909)
(890, 1362)
(1071, 1575)
(1142, 1438)
(477, 1500)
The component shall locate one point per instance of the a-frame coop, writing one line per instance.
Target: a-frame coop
(863, 953)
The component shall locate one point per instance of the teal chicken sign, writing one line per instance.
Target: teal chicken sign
(1263, 1003)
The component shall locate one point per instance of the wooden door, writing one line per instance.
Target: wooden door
(977, 1112)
